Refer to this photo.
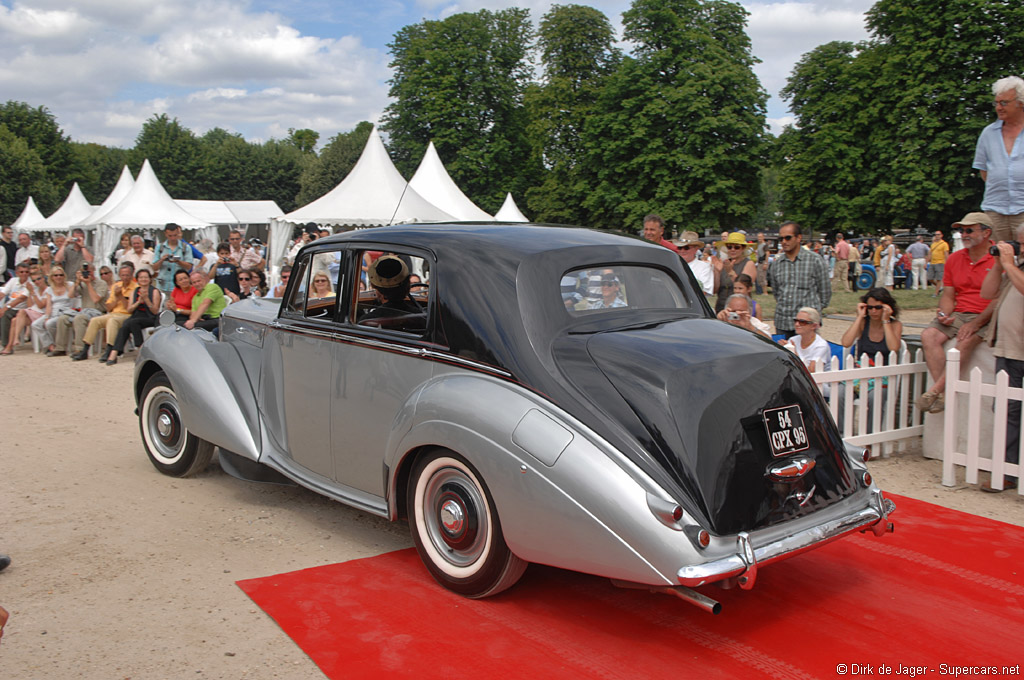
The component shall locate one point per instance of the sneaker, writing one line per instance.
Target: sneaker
(925, 401)
(1008, 483)
(939, 405)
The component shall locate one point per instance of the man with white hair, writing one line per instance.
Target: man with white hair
(139, 256)
(27, 251)
(1000, 158)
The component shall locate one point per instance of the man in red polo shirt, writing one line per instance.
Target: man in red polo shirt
(654, 231)
(963, 314)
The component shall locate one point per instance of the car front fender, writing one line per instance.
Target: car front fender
(214, 390)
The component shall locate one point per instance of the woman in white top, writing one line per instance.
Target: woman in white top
(58, 301)
(812, 349)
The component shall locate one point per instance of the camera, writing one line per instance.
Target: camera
(994, 250)
(734, 316)
(85, 269)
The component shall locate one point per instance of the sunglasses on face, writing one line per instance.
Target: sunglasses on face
(686, 247)
(57, 275)
(608, 284)
(244, 278)
(802, 322)
(874, 307)
(971, 230)
(735, 246)
(787, 237)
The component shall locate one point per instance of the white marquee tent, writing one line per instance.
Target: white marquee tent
(146, 206)
(510, 211)
(124, 184)
(373, 194)
(434, 183)
(29, 216)
(74, 208)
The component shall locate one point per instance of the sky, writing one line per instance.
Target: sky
(260, 67)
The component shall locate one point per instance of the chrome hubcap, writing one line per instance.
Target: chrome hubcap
(164, 425)
(452, 518)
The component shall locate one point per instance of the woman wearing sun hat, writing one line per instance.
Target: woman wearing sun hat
(727, 271)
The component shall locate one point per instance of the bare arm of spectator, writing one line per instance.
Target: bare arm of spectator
(197, 313)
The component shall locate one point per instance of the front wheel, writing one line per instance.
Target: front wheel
(456, 528)
(171, 448)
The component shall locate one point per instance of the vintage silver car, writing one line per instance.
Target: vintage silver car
(531, 394)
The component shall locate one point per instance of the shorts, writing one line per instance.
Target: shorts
(935, 272)
(959, 319)
(1005, 226)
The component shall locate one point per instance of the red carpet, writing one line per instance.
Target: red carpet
(946, 588)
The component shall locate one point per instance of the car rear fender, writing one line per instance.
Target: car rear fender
(564, 502)
(214, 390)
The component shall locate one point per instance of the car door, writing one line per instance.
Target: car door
(300, 353)
(378, 367)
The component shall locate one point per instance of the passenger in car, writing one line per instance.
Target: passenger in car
(389, 276)
(611, 293)
(321, 286)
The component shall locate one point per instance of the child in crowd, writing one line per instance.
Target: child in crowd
(744, 285)
(225, 272)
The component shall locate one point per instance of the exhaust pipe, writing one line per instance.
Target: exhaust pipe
(682, 592)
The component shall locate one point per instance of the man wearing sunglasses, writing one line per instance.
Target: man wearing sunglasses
(689, 244)
(963, 314)
(799, 278)
(1000, 158)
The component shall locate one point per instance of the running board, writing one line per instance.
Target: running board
(249, 470)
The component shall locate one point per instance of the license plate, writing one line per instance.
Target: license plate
(786, 431)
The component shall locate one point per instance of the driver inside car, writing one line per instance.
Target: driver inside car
(389, 276)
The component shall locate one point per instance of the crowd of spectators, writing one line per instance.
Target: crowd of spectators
(72, 301)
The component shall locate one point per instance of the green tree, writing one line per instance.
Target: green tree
(893, 122)
(681, 124)
(460, 83)
(38, 128)
(175, 154)
(99, 168)
(278, 167)
(22, 174)
(336, 160)
(576, 45)
(304, 140)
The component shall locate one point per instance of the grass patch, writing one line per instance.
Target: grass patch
(846, 303)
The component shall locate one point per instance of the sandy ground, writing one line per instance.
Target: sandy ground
(120, 572)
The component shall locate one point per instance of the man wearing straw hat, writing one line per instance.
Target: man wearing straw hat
(689, 244)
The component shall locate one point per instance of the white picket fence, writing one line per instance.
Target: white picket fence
(979, 395)
(874, 405)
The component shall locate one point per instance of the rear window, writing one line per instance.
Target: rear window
(595, 289)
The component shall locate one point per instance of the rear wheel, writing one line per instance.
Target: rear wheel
(456, 528)
(171, 448)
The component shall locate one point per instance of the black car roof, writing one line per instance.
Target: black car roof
(514, 238)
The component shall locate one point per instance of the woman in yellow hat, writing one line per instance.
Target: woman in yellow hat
(727, 271)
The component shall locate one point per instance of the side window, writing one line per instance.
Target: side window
(324, 273)
(296, 300)
(394, 292)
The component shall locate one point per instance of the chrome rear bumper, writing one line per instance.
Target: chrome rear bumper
(744, 564)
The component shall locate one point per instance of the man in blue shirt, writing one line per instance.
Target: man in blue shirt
(1000, 158)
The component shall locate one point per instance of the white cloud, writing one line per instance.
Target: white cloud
(104, 66)
(782, 32)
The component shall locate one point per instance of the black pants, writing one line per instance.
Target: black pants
(134, 327)
(1015, 372)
